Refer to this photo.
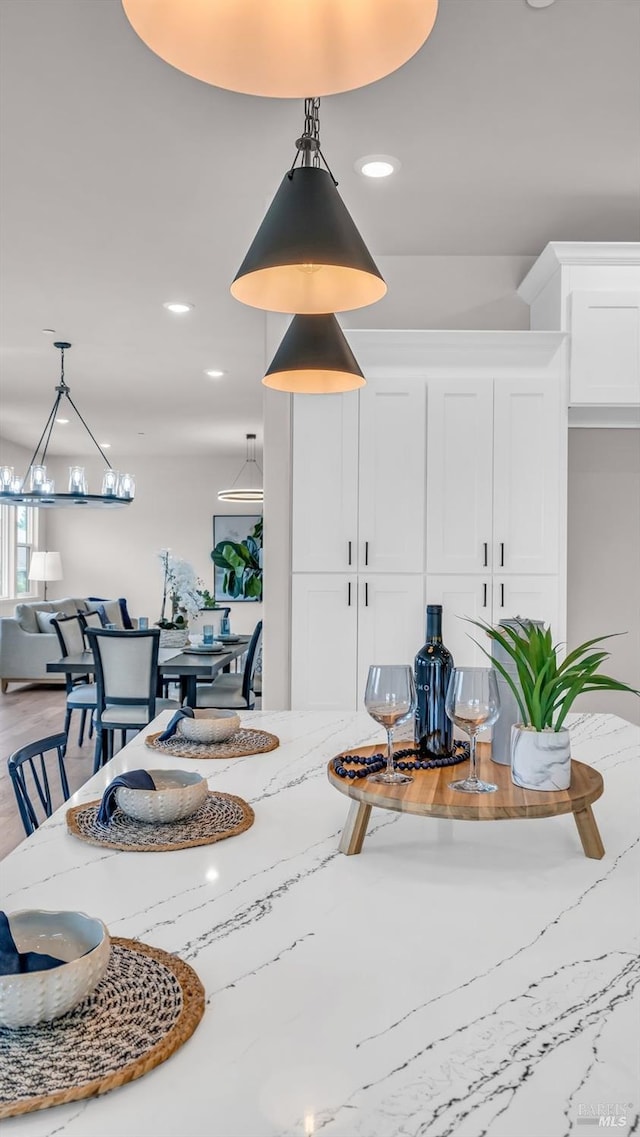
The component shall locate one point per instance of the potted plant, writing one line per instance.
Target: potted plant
(180, 590)
(545, 691)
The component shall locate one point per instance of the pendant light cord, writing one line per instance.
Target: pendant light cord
(308, 144)
(251, 457)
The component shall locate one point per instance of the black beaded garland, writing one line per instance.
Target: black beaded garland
(373, 763)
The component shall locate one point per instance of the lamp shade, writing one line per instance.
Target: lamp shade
(314, 358)
(284, 48)
(45, 566)
(308, 256)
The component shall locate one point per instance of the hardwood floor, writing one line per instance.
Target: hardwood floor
(27, 714)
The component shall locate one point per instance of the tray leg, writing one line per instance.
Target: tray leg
(354, 831)
(589, 834)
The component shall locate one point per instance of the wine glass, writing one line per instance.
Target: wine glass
(390, 698)
(473, 703)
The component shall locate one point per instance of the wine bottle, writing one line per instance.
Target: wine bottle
(433, 666)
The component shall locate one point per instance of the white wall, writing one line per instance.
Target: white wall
(604, 556)
(18, 457)
(114, 552)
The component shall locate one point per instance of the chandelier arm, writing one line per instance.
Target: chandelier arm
(47, 426)
(88, 430)
(52, 420)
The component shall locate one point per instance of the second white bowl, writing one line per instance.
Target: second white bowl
(178, 794)
(216, 727)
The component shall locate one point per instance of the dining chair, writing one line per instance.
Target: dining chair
(23, 771)
(233, 692)
(81, 692)
(126, 678)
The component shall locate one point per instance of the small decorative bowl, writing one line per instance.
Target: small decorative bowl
(217, 727)
(83, 943)
(178, 794)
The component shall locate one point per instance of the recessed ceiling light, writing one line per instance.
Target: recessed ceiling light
(178, 307)
(105, 445)
(213, 374)
(539, 3)
(377, 165)
(64, 421)
(48, 331)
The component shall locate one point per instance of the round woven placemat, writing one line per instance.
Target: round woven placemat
(148, 1004)
(221, 816)
(241, 744)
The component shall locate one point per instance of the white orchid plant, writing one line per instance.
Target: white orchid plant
(181, 589)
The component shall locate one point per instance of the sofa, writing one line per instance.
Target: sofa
(28, 643)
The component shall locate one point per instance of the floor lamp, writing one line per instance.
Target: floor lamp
(45, 567)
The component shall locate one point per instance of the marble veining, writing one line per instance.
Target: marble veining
(454, 979)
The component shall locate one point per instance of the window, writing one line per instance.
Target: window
(18, 538)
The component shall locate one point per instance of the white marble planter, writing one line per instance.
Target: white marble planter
(173, 637)
(540, 759)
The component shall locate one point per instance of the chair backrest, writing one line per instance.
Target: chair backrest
(250, 665)
(31, 785)
(70, 633)
(126, 667)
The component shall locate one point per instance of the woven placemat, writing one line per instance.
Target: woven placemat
(148, 1004)
(241, 744)
(221, 816)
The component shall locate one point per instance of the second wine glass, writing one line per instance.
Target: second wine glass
(473, 703)
(390, 699)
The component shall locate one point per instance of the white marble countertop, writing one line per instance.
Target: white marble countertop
(454, 979)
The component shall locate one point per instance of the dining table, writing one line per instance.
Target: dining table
(454, 979)
(186, 667)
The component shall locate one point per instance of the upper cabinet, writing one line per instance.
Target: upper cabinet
(359, 479)
(592, 291)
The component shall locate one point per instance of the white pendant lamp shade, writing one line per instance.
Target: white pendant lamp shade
(285, 49)
(247, 488)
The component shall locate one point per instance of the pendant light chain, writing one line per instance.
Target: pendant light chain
(308, 144)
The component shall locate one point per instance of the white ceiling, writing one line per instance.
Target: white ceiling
(124, 183)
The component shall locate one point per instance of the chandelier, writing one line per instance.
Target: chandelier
(247, 487)
(38, 490)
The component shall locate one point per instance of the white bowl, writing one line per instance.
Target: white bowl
(178, 794)
(39, 996)
(217, 727)
(195, 641)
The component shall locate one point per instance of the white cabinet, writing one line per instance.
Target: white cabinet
(494, 475)
(392, 476)
(527, 475)
(324, 641)
(605, 347)
(341, 624)
(459, 475)
(391, 621)
(325, 483)
(359, 479)
(490, 599)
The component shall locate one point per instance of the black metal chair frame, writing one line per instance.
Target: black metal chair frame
(247, 677)
(72, 681)
(105, 732)
(25, 757)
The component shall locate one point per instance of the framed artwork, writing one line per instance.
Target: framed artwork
(237, 557)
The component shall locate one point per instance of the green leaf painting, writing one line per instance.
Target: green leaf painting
(237, 558)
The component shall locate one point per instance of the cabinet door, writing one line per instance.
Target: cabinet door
(391, 622)
(529, 481)
(325, 482)
(459, 475)
(605, 348)
(533, 597)
(462, 596)
(324, 625)
(392, 476)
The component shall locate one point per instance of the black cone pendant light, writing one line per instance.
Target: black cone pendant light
(308, 256)
(284, 48)
(314, 358)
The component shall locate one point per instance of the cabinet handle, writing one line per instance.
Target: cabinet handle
(349, 594)
(349, 552)
(502, 595)
(366, 594)
(484, 595)
(502, 554)
(486, 555)
(366, 552)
